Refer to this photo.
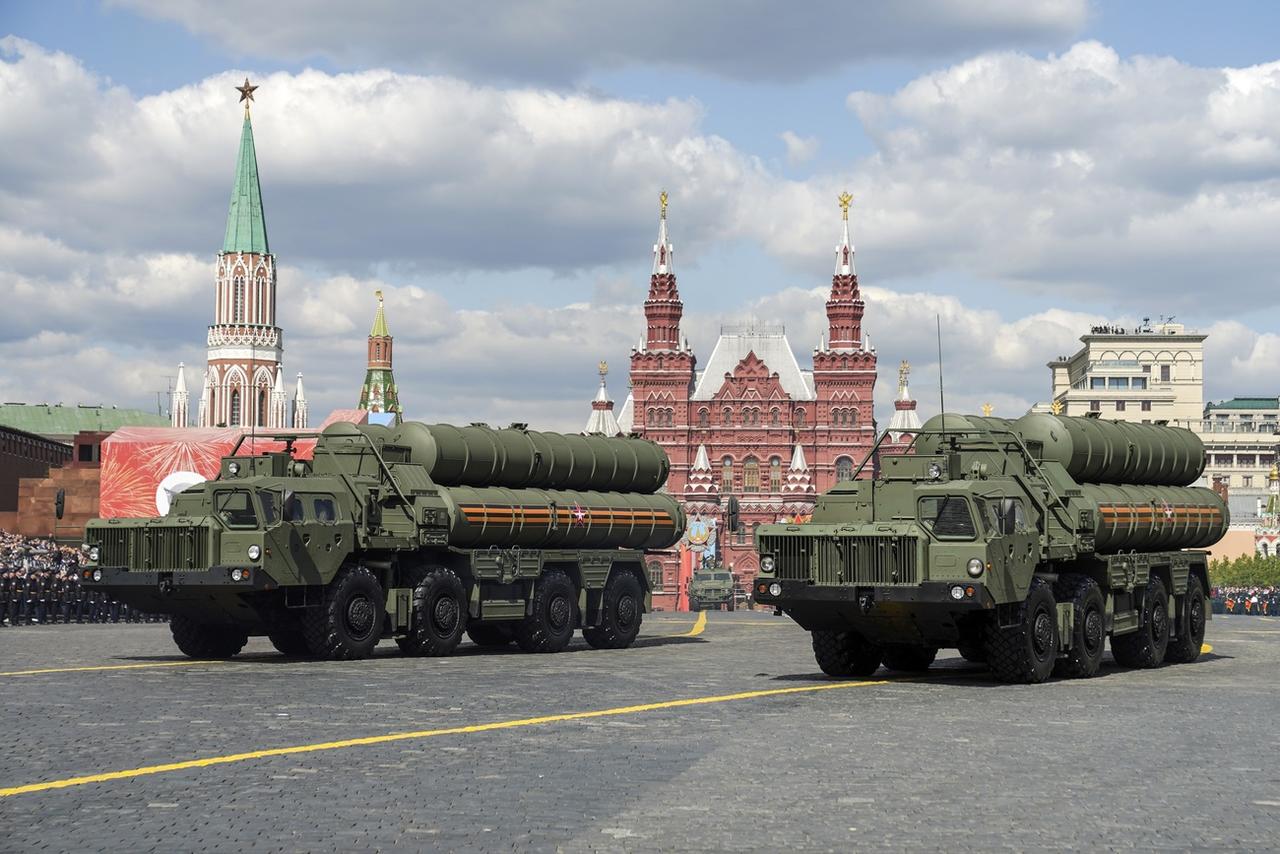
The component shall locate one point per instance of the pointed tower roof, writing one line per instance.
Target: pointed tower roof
(663, 250)
(246, 223)
(798, 462)
(700, 462)
(379, 321)
(904, 408)
(844, 251)
(602, 419)
(799, 483)
(279, 383)
(298, 392)
(181, 388)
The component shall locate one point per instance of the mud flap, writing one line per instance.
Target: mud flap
(1066, 621)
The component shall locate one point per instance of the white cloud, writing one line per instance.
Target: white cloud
(559, 41)
(800, 149)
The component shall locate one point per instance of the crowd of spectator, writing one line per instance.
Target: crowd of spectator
(1257, 601)
(40, 583)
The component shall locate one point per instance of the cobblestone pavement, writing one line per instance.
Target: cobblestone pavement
(1181, 757)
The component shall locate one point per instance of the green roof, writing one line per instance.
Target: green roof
(246, 223)
(379, 322)
(58, 420)
(1246, 403)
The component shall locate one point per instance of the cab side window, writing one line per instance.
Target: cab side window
(1010, 515)
(236, 509)
(324, 509)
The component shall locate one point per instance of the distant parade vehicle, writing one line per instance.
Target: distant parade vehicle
(415, 532)
(711, 587)
(1022, 543)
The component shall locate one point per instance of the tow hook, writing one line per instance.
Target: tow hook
(866, 602)
(166, 586)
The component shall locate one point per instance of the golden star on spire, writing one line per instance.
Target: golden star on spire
(987, 409)
(603, 368)
(378, 294)
(246, 94)
(845, 200)
(662, 201)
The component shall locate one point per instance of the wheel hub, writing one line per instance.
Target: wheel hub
(445, 614)
(1159, 620)
(359, 617)
(1042, 634)
(559, 612)
(1093, 630)
(626, 611)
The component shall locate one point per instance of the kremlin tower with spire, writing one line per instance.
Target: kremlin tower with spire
(379, 393)
(752, 424)
(243, 382)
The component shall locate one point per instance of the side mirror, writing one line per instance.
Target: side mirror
(60, 503)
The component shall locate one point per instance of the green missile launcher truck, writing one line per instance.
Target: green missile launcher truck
(1023, 543)
(419, 533)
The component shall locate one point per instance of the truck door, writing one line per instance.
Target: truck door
(1017, 541)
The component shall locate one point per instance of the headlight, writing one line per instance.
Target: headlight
(97, 575)
(957, 592)
(233, 469)
(94, 553)
(975, 567)
(766, 564)
(775, 589)
(255, 551)
(239, 575)
(935, 471)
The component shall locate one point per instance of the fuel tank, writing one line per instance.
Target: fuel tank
(550, 519)
(1155, 518)
(519, 459)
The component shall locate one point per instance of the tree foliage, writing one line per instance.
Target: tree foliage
(1245, 571)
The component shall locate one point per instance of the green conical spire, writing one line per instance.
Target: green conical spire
(379, 321)
(246, 223)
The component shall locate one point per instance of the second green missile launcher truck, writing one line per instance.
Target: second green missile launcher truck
(418, 533)
(1023, 543)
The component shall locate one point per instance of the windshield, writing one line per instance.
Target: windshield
(947, 516)
(236, 509)
(270, 502)
(722, 576)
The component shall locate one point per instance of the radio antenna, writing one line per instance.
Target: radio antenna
(942, 400)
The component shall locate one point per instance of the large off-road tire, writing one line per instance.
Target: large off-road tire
(1186, 646)
(1025, 651)
(439, 614)
(555, 615)
(491, 635)
(909, 659)
(694, 606)
(200, 640)
(1088, 626)
(845, 653)
(623, 611)
(1146, 647)
(348, 624)
(290, 642)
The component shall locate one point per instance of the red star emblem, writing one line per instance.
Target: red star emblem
(579, 515)
(1168, 510)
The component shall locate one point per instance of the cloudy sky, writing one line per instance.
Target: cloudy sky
(1022, 169)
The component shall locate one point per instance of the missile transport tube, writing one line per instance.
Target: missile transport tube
(527, 459)
(555, 519)
(1155, 518)
(1094, 451)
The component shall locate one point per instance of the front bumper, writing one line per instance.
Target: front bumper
(118, 577)
(925, 593)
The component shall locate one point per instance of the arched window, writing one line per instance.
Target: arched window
(726, 416)
(750, 475)
(260, 300)
(726, 475)
(775, 474)
(237, 300)
(775, 417)
(262, 407)
(704, 417)
(652, 417)
(852, 416)
(800, 417)
(234, 420)
(844, 469)
(655, 575)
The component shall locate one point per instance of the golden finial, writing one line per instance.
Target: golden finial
(378, 294)
(845, 200)
(1275, 472)
(246, 94)
(1056, 407)
(987, 409)
(662, 201)
(904, 370)
(603, 367)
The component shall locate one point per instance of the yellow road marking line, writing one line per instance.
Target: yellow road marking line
(112, 667)
(146, 770)
(699, 626)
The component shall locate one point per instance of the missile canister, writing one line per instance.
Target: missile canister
(1155, 518)
(1121, 452)
(523, 459)
(546, 519)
